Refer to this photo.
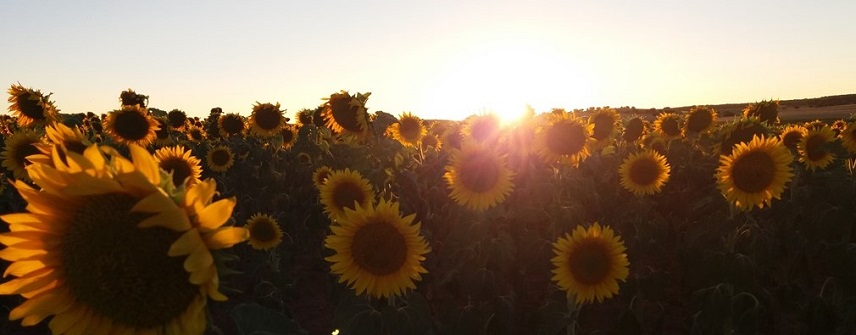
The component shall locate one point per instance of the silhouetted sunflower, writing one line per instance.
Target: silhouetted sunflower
(765, 111)
(162, 135)
(431, 141)
(131, 98)
(81, 224)
(409, 130)
(792, 135)
(668, 125)
(634, 129)
(177, 119)
(220, 158)
(319, 177)
(378, 252)
(589, 263)
(644, 172)
(266, 119)
(265, 232)
(605, 122)
(17, 148)
(478, 176)
(304, 117)
(131, 125)
(289, 136)
(848, 137)
(180, 163)
(231, 124)
(565, 139)
(755, 173)
(741, 131)
(31, 107)
(482, 128)
(699, 120)
(347, 114)
(813, 150)
(345, 189)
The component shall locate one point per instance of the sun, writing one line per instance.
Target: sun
(509, 77)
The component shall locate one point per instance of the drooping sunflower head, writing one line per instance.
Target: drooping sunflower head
(668, 125)
(482, 128)
(564, 138)
(605, 121)
(220, 158)
(131, 98)
(304, 117)
(791, 135)
(345, 189)
(813, 148)
(478, 176)
(741, 131)
(180, 163)
(644, 172)
(22, 144)
(319, 177)
(848, 137)
(266, 119)
(699, 120)
(231, 124)
(289, 136)
(196, 134)
(634, 129)
(766, 111)
(177, 119)
(431, 141)
(265, 232)
(131, 125)
(347, 114)
(409, 129)
(378, 252)
(31, 107)
(589, 263)
(755, 173)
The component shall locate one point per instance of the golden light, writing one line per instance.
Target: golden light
(506, 77)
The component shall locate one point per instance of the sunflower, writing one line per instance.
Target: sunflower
(265, 232)
(668, 125)
(765, 111)
(196, 134)
(162, 135)
(72, 139)
(838, 126)
(220, 158)
(741, 131)
(131, 98)
(634, 129)
(345, 189)
(84, 222)
(478, 177)
(791, 136)
(177, 119)
(17, 148)
(812, 148)
(644, 173)
(589, 263)
(699, 120)
(347, 114)
(180, 163)
(304, 117)
(319, 177)
(131, 125)
(848, 137)
(378, 252)
(482, 128)
(231, 124)
(31, 107)
(755, 172)
(289, 136)
(565, 138)
(605, 121)
(409, 130)
(304, 158)
(452, 136)
(431, 141)
(266, 120)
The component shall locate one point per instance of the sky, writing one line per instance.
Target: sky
(437, 59)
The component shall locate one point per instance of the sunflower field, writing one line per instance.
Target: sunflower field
(339, 220)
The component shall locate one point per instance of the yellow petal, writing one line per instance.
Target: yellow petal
(145, 163)
(11, 238)
(172, 219)
(23, 268)
(185, 244)
(153, 203)
(14, 254)
(41, 305)
(63, 321)
(198, 259)
(202, 276)
(226, 237)
(34, 280)
(216, 214)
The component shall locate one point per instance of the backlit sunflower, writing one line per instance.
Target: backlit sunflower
(792, 135)
(644, 172)
(347, 114)
(765, 111)
(289, 136)
(409, 130)
(319, 177)
(345, 189)
(231, 124)
(699, 120)
(634, 129)
(266, 119)
(741, 131)
(101, 211)
(131, 125)
(180, 163)
(430, 141)
(304, 117)
(838, 126)
(668, 125)
(220, 158)
(72, 139)
(589, 263)
(478, 176)
(605, 122)
(31, 107)
(17, 148)
(131, 98)
(755, 173)
(265, 232)
(813, 150)
(177, 119)
(378, 252)
(848, 137)
(196, 134)
(564, 138)
(482, 128)
(452, 136)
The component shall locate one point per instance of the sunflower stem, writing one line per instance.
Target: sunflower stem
(573, 313)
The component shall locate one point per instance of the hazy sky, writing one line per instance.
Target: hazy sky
(437, 59)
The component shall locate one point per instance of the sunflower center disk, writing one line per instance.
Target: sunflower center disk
(346, 194)
(30, 107)
(699, 121)
(120, 271)
(644, 172)
(480, 173)
(634, 130)
(791, 139)
(24, 150)
(754, 172)
(263, 231)
(220, 157)
(287, 135)
(232, 125)
(603, 126)
(131, 125)
(589, 263)
(180, 170)
(814, 148)
(670, 127)
(379, 248)
(409, 130)
(346, 115)
(268, 119)
(566, 138)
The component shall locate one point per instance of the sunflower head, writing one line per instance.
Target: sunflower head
(644, 172)
(813, 148)
(231, 124)
(482, 128)
(564, 138)
(699, 120)
(319, 177)
(634, 129)
(765, 111)
(266, 119)
(345, 190)
(304, 158)
(265, 232)
(838, 126)
(791, 136)
(181, 164)
(22, 144)
(289, 136)
(741, 131)
(605, 121)
(220, 158)
(131, 125)
(755, 172)
(668, 125)
(177, 119)
(162, 135)
(478, 177)
(347, 114)
(304, 117)
(31, 107)
(196, 134)
(431, 141)
(377, 251)
(131, 98)
(409, 130)
(848, 137)
(452, 136)
(589, 263)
